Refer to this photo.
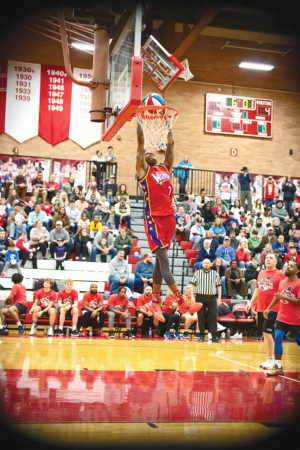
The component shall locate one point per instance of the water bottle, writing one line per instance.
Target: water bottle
(91, 333)
(45, 330)
(150, 332)
(137, 255)
(228, 334)
(68, 332)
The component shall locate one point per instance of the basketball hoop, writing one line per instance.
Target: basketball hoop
(156, 126)
(186, 74)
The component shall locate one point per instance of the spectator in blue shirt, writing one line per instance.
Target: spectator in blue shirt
(205, 252)
(11, 259)
(245, 179)
(143, 273)
(218, 230)
(230, 220)
(183, 175)
(281, 246)
(226, 252)
(34, 216)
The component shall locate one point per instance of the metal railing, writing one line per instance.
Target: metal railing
(184, 273)
(102, 173)
(174, 250)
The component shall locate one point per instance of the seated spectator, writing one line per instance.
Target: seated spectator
(253, 244)
(183, 223)
(3, 243)
(39, 238)
(81, 204)
(243, 255)
(243, 219)
(235, 281)
(267, 217)
(225, 252)
(110, 197)
(68, 186)
(44, 303)
(56, 199)
(95, 226)
(111, 184)
(90, 210)
(214, 243)
(185, 204)
(52, 187)
(17, 222)
(268, 238)
(122, 214)
(11, 259)
(293, 253)
(280, 212)
(68, 308)
(279, 264)
(105, 215)
(188, 318)
(281, 246)
(205, 252)
(218, 230)
(260, 228)
(201, 199)
(217, 202)
(223, 214)
(109, 249)
(118, 305)
(62, 217)
(208, 216)
(258, 207)
(74, 215)
(242, 235)
(233, 228)
(15, 304)
(251, 220)
(251, 274)
(98, 210)
(171, 314)
(216, 206)
(111, 218)
(237, 208)
(104, 202)
(143, 273)
(93, 191)
(83, 223)
(278, 229)
(25, 251)
(59, 233)
(39, 187)
(81, 240)
(122, 192)
(294, 213)
(142, 314)
(267, 250)
(20, 184)
(13, 199)
(234, 242)
(64, 199)
(296, 238)
(194, 217)
(290, 231)
(193, 206)
(231, 220)
(29, 208)
(197, 233)
(93, 308)
(123, 242)
(75, 195)
(33, 217)
(119, 273)
(217, 265)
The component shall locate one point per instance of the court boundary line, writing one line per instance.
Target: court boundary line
(147, 422)
(251, 367)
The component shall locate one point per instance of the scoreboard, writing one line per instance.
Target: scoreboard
(226, 114)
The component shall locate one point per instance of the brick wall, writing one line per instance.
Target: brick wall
(206, 150)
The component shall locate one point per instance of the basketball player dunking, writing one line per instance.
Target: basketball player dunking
(159, 220)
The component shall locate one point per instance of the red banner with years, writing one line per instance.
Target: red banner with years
(55, 104)
(3, 86)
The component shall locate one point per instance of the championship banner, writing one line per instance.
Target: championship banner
(3, 86)
(22, 100)
(82, 130)
(65, 168)
(227, 186)
(10, 166)
(55, 104)
(256, 187)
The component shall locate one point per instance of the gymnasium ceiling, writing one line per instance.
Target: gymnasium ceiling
(215, 36)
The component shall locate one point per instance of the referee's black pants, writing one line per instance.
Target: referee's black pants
(209, 302)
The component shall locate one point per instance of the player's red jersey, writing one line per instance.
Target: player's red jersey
(93, 300)
(289, 312)
(169, 300)
(45, 297)
(65, 296)
(157, 191)
(114, 300)
(143, 300)
(267, 284)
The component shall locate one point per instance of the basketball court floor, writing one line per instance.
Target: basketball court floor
(99, 391)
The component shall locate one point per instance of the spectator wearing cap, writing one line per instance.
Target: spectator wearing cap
(143, 273)
(201, 199)
(110, 156)
(281, 246)
(74, 215)
(197, 233)
(122, 214)
(81, 204)
(280, 212)
(59, 233)
(111, 184)
(104, 234)
(268, 238)
(93, 190)
(205, 252)
(90, 210)
(119, 273)
(225, 252)
(194, 217)
(245, 179)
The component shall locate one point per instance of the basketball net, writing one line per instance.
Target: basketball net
(186, 74)
(156, 126)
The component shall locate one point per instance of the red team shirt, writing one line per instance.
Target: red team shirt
(93, 300)
(270, 190)
(267, 284)
(113, 300)
(19, 292)
(72, 297)
(45, 297)
(169, 300)
(143, 300)
(157, 191)
(288, 312)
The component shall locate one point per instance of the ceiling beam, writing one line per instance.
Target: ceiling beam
(203, 21)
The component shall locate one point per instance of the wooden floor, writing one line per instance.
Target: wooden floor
(91, 390)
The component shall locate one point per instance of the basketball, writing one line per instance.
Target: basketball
(154, 100)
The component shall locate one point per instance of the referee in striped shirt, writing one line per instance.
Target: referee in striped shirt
(204, 284)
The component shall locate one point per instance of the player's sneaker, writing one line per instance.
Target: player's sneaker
(33, 331)
(139, 334)
(209, 336)
(262, 364)
(50, 331)
(185, 335)
(167, 335)
(21, 329)
(75, 333)
(215, 340)
(220, 327)
(129, 335)
(275, 371)
(268, 365)
(185, 305)
(100, 334)
(59, 332)
(235, 336)
(83, 333)
(177, 335)
(3, 332)
(111, 335)
(155, 334)
(154, 307)
(197, 335)
(201, 338)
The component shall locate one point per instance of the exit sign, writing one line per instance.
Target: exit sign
(233, 152)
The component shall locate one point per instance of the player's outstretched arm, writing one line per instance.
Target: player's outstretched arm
(169, 158)
(140, 156)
